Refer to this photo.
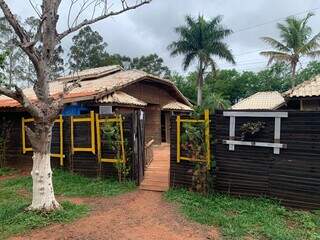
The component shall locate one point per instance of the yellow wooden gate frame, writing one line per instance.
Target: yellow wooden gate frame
(116, 119)
(29, 149)
(205, 121)
(89, 119)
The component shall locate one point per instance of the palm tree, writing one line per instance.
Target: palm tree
(295, 42)
(201, 40)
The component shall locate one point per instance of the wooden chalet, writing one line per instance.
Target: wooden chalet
(110, 89)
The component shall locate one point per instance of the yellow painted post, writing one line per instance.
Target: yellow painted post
(93, 149)
(61, 139)
(122, 140)
(178, 138)
(23, 134)
(72, 131)
(98, 137)
(207, 136)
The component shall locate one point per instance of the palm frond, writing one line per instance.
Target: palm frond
(313, 54)
(276, 56)
(190, 57)
(276, 44)
(313, 44)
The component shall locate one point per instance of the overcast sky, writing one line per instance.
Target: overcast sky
(150, 28)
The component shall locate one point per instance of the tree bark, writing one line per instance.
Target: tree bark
(46, 109)
(43, 198)
(293, 74)
(200, 84)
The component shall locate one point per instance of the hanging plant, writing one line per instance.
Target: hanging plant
(250, 130)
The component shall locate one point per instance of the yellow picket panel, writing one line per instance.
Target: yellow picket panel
(205, 121)
(119, 121)
(90, 119)
(26, 149)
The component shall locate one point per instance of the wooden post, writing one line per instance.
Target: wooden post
(122, 140)
(98, 137)
(61, 139)
(207, 136)
(72, 135)
(23, 133)
(93, 148)
(178, 138)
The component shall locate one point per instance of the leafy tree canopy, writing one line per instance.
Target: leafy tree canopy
(152, 64)
(226, 87)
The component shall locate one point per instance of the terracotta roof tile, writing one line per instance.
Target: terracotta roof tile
(119, 97)
(104, 83)
(308, 88)
(261, 100)
(174, 105)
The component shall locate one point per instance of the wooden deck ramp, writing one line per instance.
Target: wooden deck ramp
(156, 176)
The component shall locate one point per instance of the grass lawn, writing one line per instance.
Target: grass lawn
(13, 201)
(238, 218)
(5, 171)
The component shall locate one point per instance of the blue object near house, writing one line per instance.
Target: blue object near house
(74, 109)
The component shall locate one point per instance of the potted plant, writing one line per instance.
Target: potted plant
(250, 130)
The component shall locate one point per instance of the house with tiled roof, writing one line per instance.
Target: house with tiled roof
(261, 101)
(304, 97)
(111, 89)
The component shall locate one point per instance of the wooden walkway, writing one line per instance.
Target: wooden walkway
(156, 176)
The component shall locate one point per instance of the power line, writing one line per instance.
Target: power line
(274, 20)
(250, 52)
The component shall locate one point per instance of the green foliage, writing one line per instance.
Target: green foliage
(201, 40)
(295, 42)
(200, 178)
(250, 129)
(310, 71)
(13, 218)
(193, 140)
(5, 171)
(18, 68)
(68, 184)
(187, 85)
(241, 218)
(88, 50)
(226, 87)
(152, 64)
(111, 131)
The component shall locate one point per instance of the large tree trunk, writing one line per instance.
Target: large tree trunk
(200, 84)
(43, 198)
(293, 74)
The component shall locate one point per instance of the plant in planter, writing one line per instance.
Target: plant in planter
(111, 132)
(250, 130)
(200, 178)
(192, 140)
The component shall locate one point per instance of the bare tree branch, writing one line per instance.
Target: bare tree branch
(25, 44)
(35, 8)
(103, 16)
(20, 97)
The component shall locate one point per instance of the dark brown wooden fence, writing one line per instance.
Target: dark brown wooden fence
(293, 176)
(85, 163)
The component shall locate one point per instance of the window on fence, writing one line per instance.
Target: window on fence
(193, 139)
(110, 139)
(82, 134)
(57, 138)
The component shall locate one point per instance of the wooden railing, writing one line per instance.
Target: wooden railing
(148, 152)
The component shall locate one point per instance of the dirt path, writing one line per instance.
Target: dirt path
(140, 215)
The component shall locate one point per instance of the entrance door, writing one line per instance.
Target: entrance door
(153, 123)
(163, 127)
